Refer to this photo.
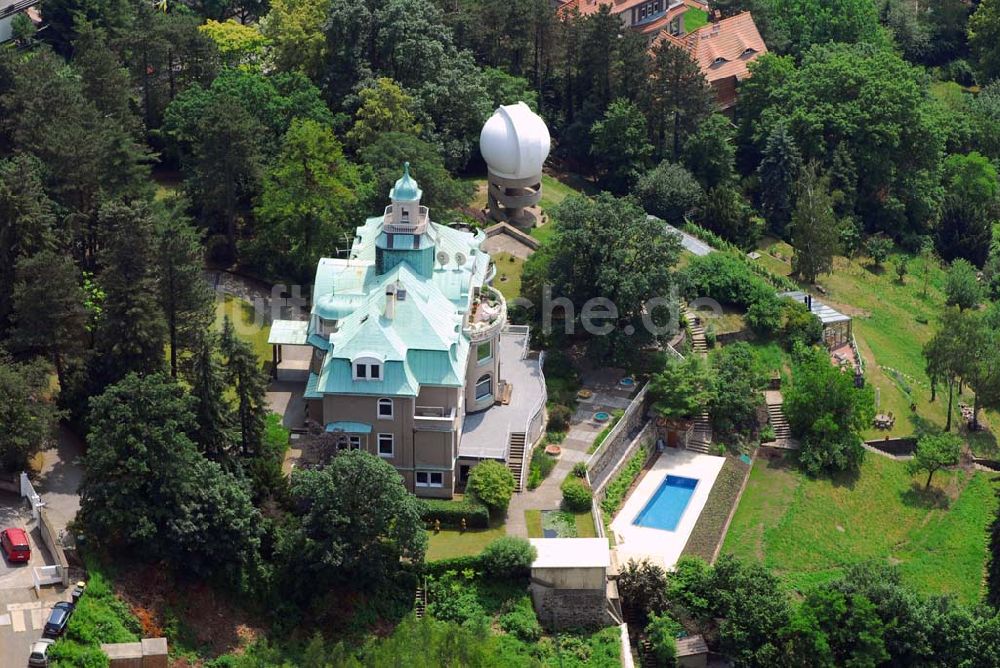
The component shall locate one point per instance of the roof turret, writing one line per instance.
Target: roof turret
(406, 188)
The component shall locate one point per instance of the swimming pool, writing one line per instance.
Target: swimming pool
(666, 507)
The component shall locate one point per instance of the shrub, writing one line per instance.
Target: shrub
(559, 416)
(577, 496)
(580, 469)
(540, 468)
(801, 326)
(644, 585)
(492, 483)
(508, 557)
(521, 622)
(457, 564)
(669, 191)
(662, 633)
(764, 315)
(453, 597)
(452, 512)
(614, 494)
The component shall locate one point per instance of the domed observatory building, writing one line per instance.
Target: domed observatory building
(515, 143)
(410, 356)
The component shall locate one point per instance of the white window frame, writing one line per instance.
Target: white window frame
(366, 367)
(384, 401)
(353, 442)
(486, 378)
(429, 479)
(392, 445)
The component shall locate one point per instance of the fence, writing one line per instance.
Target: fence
(608, 453)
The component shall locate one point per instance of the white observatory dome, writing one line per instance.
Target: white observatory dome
(515, 142)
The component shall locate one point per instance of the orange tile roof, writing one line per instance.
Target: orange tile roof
(722, 49)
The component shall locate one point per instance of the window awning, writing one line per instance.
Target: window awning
(349, 427)
(288, 332)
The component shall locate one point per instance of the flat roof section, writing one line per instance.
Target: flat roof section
(826, 315)
(485, 433)
(571, 553)
(288, 332)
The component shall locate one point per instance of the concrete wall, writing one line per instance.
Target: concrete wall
(570, 608)
(149, 653)
(51, 539)
(571, 578)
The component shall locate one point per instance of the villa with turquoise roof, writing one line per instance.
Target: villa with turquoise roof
(410, 354)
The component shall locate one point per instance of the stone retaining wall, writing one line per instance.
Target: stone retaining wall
(570, 608)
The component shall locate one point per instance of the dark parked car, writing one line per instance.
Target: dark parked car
(58, 619)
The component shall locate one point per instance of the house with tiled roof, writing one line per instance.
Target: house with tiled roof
(723, 50)
(410, 354)
(646, 16)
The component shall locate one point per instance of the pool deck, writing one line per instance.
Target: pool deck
(657, 545)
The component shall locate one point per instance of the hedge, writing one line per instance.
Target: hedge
(717, 242)
(457, 564)
(451, 513)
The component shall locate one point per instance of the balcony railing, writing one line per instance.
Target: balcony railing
(478, 329)
(434, 418)
(418, 226)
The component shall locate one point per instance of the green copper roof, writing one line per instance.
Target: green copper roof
(406, 189)
(349, 427)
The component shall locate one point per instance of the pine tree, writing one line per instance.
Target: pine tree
(249, 383)
(131, 334)
(184, 294)
(49, 316)
(26, 222)
(815, 233)
(680, 98)
(779, 172)
(208, 388)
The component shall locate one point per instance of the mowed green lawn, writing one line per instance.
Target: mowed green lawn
(248, 326)
(808, 530)
(449, 543)
(892, 322)
(508, 279)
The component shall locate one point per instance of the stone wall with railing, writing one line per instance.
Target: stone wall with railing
(610, 451)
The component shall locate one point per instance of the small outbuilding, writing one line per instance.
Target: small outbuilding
(836, 325)
(569, 583)
(692, 652)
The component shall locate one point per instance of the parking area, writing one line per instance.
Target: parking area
(14, 512)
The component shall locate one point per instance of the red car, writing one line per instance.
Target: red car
(15, 545)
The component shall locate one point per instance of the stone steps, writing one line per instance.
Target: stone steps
(515, 457)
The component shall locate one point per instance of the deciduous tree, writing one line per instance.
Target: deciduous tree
(28, 417)
(827, 413)
(620, 146)
(962, 288)
(385, 107)
(935, 452)
(356, 521)
(669, 191)
(147, 489)
(492, 483)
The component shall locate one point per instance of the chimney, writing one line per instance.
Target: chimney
(390, 302)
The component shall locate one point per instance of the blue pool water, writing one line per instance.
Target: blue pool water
(665, 508)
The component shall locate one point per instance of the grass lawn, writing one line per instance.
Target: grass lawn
(694, 19)
(246, 324)
(478, 184)
(554, 191)
(808, 530)
(583, 523)
(448, 543)
(892, 322)
(508, 267)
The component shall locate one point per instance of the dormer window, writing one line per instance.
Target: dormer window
(749, 51)
(325, 327)
(367, 368)
(719, 61)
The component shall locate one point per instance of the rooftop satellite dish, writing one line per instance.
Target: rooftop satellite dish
(443, 258)
(460, 259)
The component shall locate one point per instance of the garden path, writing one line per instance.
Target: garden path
(582, 432)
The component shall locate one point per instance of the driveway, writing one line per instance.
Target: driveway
(59, 480)
(14, 512)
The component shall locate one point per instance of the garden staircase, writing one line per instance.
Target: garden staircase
(420, 601)
(515, 457)
(698, 342)
(701, 436)
(778, 421)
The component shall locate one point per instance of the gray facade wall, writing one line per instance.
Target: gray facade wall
(571, 608)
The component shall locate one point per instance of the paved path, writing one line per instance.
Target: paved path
(547, 496)
(59, 480)
(689, 243)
